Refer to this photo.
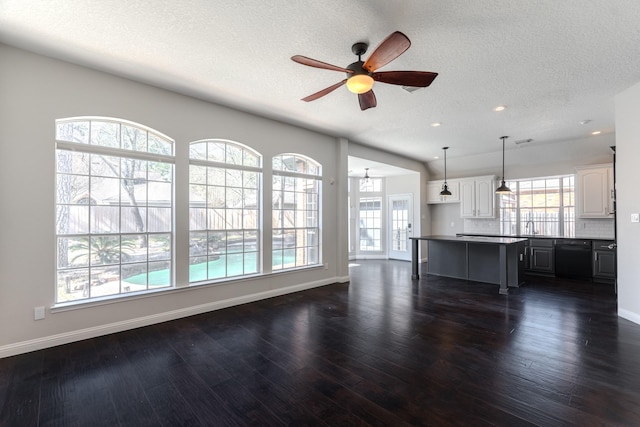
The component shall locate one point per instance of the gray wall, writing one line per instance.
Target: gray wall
(445, 219)
(628, 201)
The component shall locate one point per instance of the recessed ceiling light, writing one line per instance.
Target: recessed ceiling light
(436, 157)
(596, 132)
(499, 108)
(584, 122)
(435, 124)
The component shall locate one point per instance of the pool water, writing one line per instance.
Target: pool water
(225, 266)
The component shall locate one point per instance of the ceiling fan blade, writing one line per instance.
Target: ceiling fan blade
(405, 78)
(317, 64)
(324, 91)
(367, 100)
(390, 48)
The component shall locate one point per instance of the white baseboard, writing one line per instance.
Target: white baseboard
(629, 315)
(110, 328)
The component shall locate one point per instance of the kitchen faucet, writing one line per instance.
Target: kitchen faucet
(533, 225)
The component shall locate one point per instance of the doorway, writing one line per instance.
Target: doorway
(400, 223)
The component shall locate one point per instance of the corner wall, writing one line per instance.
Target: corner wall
(628, 201)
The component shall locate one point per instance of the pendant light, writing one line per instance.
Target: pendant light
(503, 189)
(445, 188)
(366, 175)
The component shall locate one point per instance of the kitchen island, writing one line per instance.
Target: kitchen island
(497, 260)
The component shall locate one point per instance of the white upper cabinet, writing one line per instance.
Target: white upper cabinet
(435, 187)
(594, 191)
(478, 197)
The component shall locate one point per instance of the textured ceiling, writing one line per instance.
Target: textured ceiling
(552, 63)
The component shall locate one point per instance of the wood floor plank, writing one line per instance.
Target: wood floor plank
(380, 350)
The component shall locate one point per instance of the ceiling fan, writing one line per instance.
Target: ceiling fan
(361, 75)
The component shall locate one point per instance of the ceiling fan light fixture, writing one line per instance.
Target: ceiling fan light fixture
(360, 83)
(362, 74)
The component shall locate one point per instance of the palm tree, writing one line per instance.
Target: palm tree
(102, 249)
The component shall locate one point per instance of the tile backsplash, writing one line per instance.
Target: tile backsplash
(595, 228)
(482, 226)
(585, 228)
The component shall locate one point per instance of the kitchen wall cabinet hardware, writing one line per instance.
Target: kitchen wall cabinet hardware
(594, 191)
(478, 197)
(435, 187)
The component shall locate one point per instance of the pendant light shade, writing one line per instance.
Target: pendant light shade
(445, 188)
(503, 189)
(365, 178)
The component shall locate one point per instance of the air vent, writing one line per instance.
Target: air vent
(523, 141)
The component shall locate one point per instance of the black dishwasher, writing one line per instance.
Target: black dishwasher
(573, 259)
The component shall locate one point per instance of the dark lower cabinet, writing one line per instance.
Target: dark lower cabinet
(541, 256)
(604, 261)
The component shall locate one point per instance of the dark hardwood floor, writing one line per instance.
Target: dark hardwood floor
(381, 350)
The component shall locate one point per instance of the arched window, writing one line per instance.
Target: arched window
(297, 184)
(224, 210)
(114, 208)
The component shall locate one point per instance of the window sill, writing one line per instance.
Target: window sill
(114, 299)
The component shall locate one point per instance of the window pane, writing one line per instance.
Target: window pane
(135, 277)
(104, 281)
(158, 145)
(539, 206)
(250, 159)
(73, 252)
(75, 162)
(133, 138)
(160, 247)
(106, 206)
(160, 193)
(72, 219)
(105, 134)
(197, 174)
(198, 151)
(227, 192)
(216, 219)
(77, 131)
(133, 219)
(296, 213)
(197, 269)
(216, 152)
(250, 179)
(234, 155)
(197, 219)
(159, 219)
(72, 284)
(159, 274)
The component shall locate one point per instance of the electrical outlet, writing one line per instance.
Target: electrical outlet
(635, 217)
(38, 313)
(326, 265)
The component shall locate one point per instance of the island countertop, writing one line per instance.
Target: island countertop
(475, 258)
(473, 239)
